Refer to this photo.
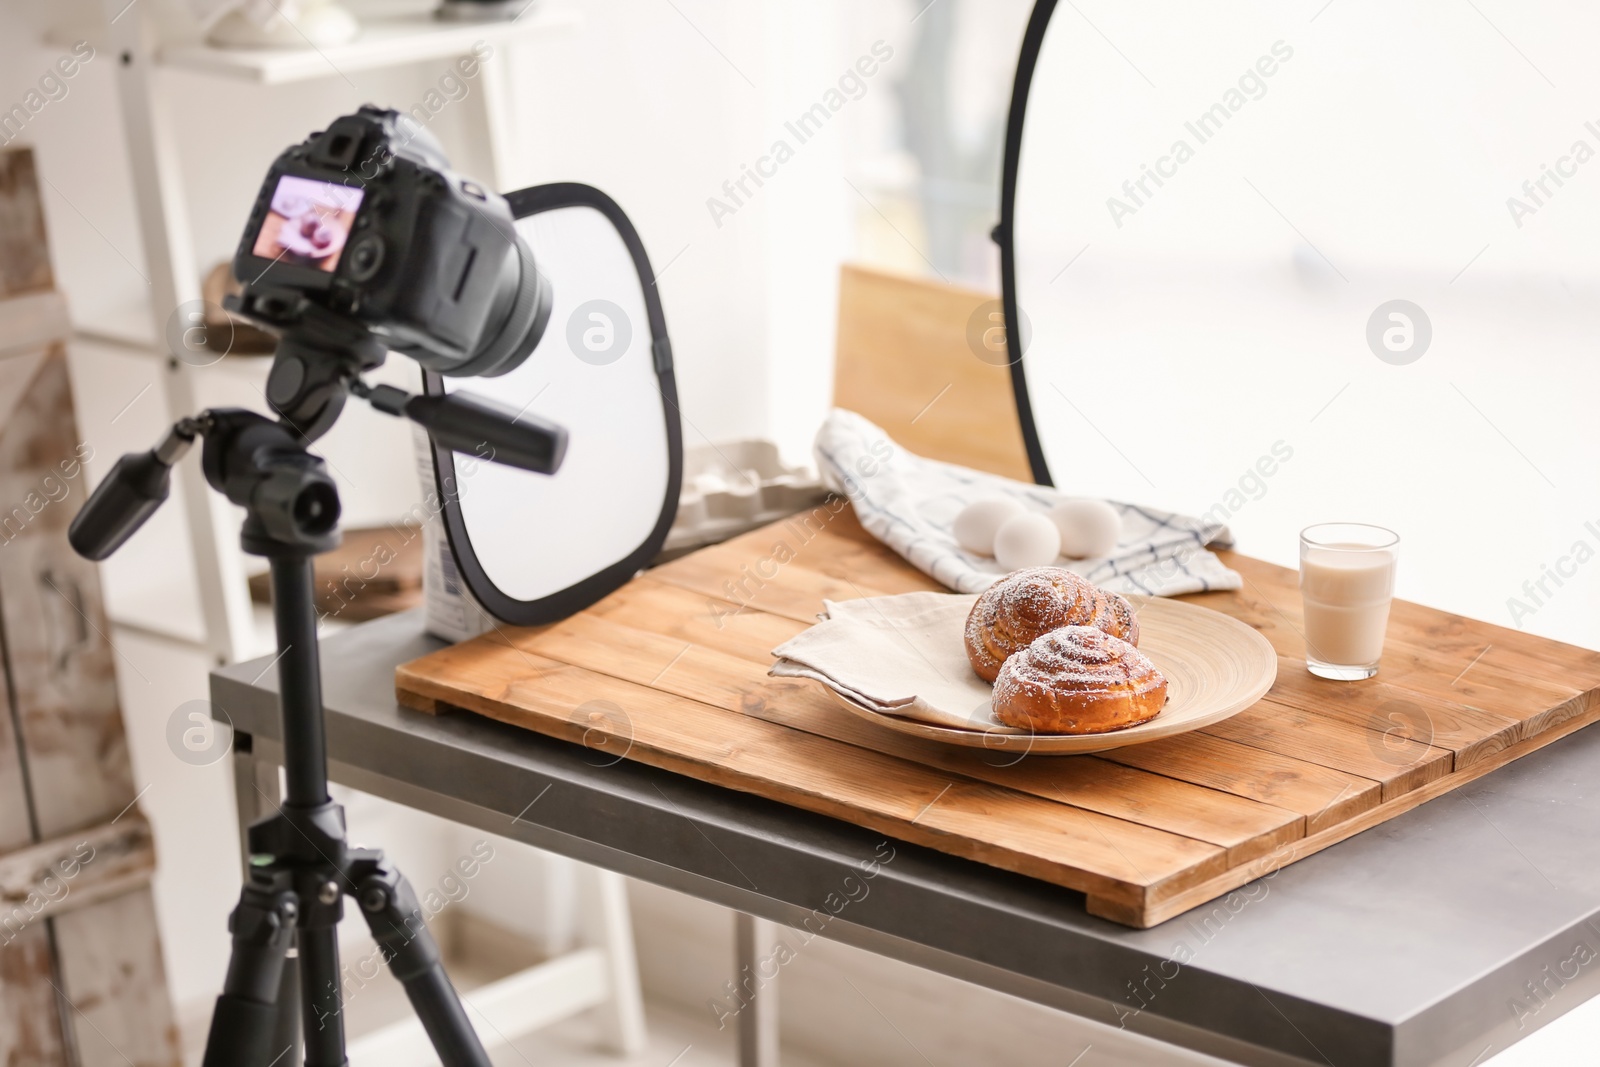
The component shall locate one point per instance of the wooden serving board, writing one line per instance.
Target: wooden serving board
(671, 670)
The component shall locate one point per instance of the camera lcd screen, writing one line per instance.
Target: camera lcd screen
(308, 223)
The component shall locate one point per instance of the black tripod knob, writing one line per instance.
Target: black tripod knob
(263, 466)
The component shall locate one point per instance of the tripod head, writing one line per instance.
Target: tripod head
(263, 464)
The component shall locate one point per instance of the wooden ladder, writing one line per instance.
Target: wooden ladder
(81, 975)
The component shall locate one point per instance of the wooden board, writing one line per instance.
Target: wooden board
(920, 359)
(24, 251)
(81, 978)
(671, 670)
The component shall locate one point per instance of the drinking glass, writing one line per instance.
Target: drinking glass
(1346, 584)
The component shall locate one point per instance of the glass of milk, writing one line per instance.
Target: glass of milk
(1346, 583)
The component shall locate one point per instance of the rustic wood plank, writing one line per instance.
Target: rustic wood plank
(686, 648)
(676, 612)
(30, 1023)
(1518, 692)
(1524, 697)
(61, 663)
(1461, 638)
(1484, 666)
(67, 873)
(1400, 764)
(736, 574)
(832, 552)
(30, 1026)
(1103, 856)
(16, 827)
(1321, 794)
(1496, 680)
(1286, 633)
(1454, 636)
(24, 249)
(88, 923)
(117, 988)
(669, 664)
(1375, 704)
(1158, 907)
(836, 545)
(646, 610)
(848, 524)
(61, 670)
(1246, 828)
(789, 568)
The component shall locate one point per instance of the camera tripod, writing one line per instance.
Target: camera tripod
(301, 867)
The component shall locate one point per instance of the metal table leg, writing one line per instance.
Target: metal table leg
(758, 1020)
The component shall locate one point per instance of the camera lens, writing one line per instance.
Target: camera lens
(517, 317)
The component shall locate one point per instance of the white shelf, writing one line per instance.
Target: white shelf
(382, 42)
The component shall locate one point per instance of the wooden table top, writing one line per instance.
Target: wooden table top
(671, 670)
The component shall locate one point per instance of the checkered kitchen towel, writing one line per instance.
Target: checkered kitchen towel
(909, 503)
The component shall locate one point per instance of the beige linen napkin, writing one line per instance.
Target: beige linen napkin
(899, 655)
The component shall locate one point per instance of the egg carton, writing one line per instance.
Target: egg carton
(734, 487)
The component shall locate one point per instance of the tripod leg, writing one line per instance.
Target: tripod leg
(395, 918)
(322, 1021)
(256, 791)
(245, 1022)
(286, 1035)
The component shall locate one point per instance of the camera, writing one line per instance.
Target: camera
(365, 225)
(362, 241)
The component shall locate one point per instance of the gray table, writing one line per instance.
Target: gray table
(1409, 944)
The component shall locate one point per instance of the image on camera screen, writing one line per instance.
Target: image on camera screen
(308, 224)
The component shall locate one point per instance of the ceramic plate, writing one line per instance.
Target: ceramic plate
(1216, 666)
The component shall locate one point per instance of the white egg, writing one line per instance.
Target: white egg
(976, 525)
(1027, 540)
(1089, 528)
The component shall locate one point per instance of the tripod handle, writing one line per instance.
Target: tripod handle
(129, 495)
(477, 425)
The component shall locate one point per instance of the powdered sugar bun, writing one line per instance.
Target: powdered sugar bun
(1078, 680)
(1026, 604)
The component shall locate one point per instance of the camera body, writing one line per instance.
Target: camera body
(367, 222)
